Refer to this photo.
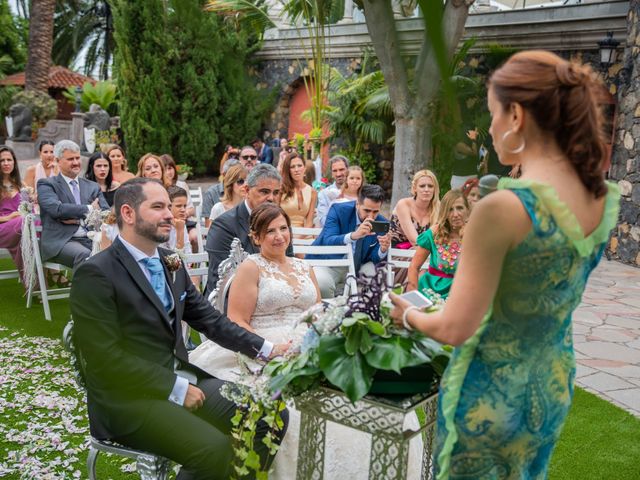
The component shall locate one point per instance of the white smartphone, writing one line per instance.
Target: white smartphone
(416, 298)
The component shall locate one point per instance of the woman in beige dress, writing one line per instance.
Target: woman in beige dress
(298, 199)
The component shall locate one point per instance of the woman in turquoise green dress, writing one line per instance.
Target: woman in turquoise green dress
(442, 243)
(529, 250)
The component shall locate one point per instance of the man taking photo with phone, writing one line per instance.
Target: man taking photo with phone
(360, 225)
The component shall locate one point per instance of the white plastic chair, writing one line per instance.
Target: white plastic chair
(45, 293)
(304, 235)
(345, 260)
(198, 266)
(399, 258)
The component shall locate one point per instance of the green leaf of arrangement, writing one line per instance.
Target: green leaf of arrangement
(376, 327)
(279, 382)
(350, 373)
(394, 354)
(353, 338)
(349, 321)
(366, 343)
(253, 460)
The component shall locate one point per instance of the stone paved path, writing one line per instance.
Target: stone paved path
(606, 333)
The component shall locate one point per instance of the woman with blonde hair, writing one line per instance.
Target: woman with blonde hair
(414, 215)
(442, 243)
(233, 192)
(529, 250)
(151, 166)
(119, 164)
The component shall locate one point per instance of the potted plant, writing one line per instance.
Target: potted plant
(351, 345)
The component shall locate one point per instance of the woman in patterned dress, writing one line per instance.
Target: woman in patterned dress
(529, 250)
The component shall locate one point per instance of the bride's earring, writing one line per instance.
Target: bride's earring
(517, 150)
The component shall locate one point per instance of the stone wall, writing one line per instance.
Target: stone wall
(625, 242)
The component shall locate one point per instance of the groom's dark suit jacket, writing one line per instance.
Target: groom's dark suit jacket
(130, 343)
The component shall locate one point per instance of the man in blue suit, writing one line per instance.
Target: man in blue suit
(265, 154)
(350, 223)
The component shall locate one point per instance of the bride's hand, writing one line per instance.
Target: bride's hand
(280, 349)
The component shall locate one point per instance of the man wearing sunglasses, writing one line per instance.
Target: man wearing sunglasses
(248, 157)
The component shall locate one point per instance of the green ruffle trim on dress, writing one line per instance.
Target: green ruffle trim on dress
(456, 374)
(564, 217)
(568, 223)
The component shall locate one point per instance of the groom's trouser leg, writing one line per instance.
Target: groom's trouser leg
(198, 441)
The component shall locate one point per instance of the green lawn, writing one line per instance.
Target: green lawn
(43, 432)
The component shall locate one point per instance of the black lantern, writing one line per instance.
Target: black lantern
(78, 98)
(607, 48)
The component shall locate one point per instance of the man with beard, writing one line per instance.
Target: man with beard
(127, 303)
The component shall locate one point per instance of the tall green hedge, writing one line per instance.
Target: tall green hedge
(182, 81)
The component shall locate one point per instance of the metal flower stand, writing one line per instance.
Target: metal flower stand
(383, 418)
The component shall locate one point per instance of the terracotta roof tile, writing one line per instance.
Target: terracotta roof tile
(59, 77)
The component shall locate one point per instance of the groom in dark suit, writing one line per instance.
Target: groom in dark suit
(64, 202)
(127, 303)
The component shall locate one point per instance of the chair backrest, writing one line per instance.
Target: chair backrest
(226, 272)
(399, 258)
(196, 196)
(344, 259)
(304, 235)
(198, 266)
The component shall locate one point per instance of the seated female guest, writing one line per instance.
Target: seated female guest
(150, 166)
(46, 167)
(171, 176)
(119, 165)
(443, 244)
(10, 218)
(352, 185)
(471, 191)
(297, 198)
(414, 215)
(99, 170)
(234, 191)
(529, 250)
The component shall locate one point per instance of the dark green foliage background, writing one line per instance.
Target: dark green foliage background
(182, 81)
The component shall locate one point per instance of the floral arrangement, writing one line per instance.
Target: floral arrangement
(348, 341)
(184, 169)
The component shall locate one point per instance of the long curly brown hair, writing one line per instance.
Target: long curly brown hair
(443, 227)
(14, 176)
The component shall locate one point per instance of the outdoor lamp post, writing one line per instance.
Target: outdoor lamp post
(607, 47)
(78, 98)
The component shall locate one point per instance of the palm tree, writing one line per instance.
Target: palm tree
(84, 29)
(40, 45)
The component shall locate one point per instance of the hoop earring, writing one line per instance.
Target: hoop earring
(516, 150)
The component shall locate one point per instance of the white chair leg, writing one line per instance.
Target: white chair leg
(91, 462)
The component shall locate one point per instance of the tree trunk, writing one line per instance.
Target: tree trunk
(40, 45)
(412, 153)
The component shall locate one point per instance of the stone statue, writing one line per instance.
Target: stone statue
(21, 116)
(97, 119)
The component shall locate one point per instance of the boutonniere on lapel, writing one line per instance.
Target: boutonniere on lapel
(173, 263)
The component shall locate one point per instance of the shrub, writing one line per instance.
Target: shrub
(43, 107)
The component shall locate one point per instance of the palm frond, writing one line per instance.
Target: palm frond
(246, 12)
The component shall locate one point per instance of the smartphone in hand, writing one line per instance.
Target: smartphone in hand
(379, 227)
(416, 298)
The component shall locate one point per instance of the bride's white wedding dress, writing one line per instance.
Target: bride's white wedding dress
(281, 299)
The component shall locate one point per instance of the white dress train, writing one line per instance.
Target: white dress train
(281, 300)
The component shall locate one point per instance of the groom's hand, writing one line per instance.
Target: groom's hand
(279, 350)
(194, 399)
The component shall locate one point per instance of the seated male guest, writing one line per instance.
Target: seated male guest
(127, 304)
(262, 185)
(339, 170)
(350, 223)
(64, 202)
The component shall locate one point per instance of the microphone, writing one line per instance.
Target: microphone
(487, 184)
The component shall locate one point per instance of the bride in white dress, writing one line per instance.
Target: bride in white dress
(267, 296)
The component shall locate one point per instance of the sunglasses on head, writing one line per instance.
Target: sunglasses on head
(240, 181)
(249, 157)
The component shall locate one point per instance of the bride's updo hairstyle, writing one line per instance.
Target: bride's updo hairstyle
(561, 97)
(261, 217)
